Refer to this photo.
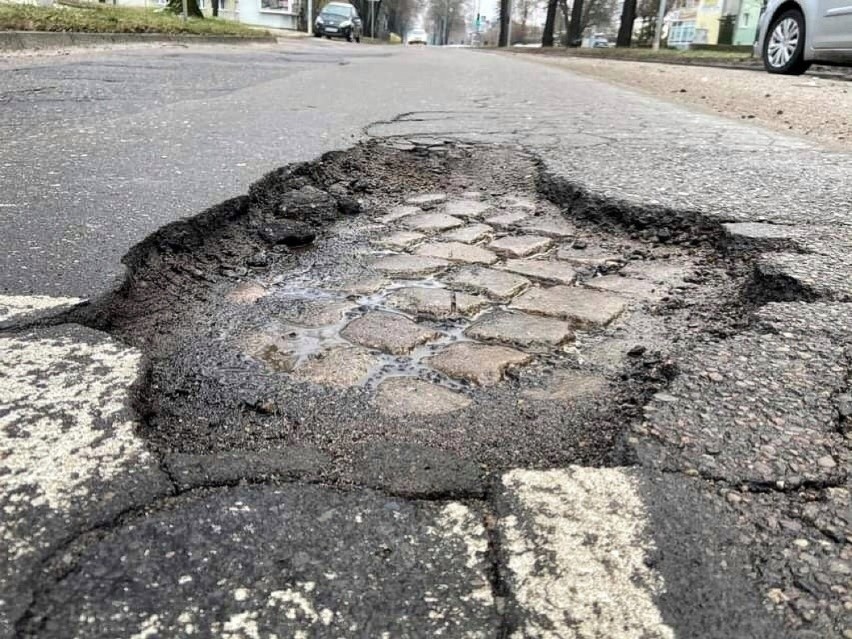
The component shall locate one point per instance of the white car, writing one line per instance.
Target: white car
(417, 36)
(795, 33)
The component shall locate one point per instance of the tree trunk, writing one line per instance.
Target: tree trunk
(192, 10)
(625, 31)
(563, 6)
(214, 5)
(575, 31)
(547, 35)
(503, 40)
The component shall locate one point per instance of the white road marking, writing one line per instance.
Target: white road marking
(576, 542)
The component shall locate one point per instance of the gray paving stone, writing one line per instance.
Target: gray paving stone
(495, 284)
(472, 195)
(272, 349)
(366, 285)
(478, 363)
(340, 366)
(545, 271)
(409, 265)
(301, 561)
(519, 202)
(387, 332)
(436, 303)
(400, 396)
(527, 331)
(632, 287)
(315, 313)
(520, 245)
(457, 252)
(469, 234)
(432, 222)
(587, 257)
(659, 271)
(400, 239)
(466, 208)
(426, 200)
(550, 226)
(399, 212)
(507, 219)
(582, 307)
(567, 386)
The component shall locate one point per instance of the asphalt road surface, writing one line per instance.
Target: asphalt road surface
(531, 356)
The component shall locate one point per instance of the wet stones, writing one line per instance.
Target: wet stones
(457, 252)
(584, 308)
(307, 203)
(399, 396)
(551, 227)
(520, 245)
(553, 272)
(288, 232)
(478, 363)
(387, 332)
(508, 219)
(495, 284)
(466, 208)
(401, 239)
(627, 286)
(435, 303)
(399, 212)
(409, 265)
(469, 234)
(316, 313)
(426, 200)
(527, 331)
(584, 257)
(341, 366)
(246, 293)
(432, 222)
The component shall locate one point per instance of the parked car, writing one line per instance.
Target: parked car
(600, 41)
(339, 20)
(417, 36)
(795, 33)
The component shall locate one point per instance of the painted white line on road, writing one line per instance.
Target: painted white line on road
(576, 543)
(14, 306)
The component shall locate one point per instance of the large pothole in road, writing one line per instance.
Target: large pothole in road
(447, 321)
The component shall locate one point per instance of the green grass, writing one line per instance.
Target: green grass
(673, 55)
(107, 19)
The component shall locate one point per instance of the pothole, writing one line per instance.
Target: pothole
(443, 306)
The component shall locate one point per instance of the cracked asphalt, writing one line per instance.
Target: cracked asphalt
(551, 358)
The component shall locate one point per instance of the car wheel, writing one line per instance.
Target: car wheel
(784, 48)
(358, 38)
(348, 36)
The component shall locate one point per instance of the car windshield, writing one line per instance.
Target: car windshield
(336, 10)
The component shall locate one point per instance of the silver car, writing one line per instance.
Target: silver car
(795, 33)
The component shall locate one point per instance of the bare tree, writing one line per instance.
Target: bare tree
(549, 23)
(625, 30)
(503, 40)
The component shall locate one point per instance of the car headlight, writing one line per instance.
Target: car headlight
(345, 23)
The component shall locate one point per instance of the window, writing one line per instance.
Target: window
(274, 5)
(681, 32)
(745, 19)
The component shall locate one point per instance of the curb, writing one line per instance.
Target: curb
(22, 40)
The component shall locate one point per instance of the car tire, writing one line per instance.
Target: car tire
(784, 44)
(348, 36)
(358, 39)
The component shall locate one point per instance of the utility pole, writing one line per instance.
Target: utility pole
(184, 10)
(658, 31)
(309, 14)
(509, 28)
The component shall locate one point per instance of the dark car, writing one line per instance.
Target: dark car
(338, 20)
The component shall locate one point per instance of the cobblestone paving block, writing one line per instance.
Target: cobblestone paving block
(472, 195)
(366, 285)
(457, 252)
(632, 287)
(469, 234)
(520, 245)
(584, 308)
(436, 303)
(507, 220)
(825, 276)
(432, 222)
(302, 561)
(387, 332)
(519, 202)
(478, 363)
(754, 409)
(409, 265)
(272, 349)
(658, 271)
(527, 331)
(568, 385)
(495, 284)
(590, 529)
(246, 293)
(400, 396)
(426, 200)
(400, 239)
(550, 226)
(466, 208)
(751, 235)
(543, 270)
(340, 366)
(399, 212)
(586, 257)
(315, 313)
